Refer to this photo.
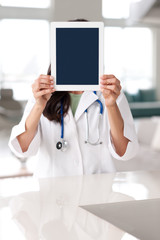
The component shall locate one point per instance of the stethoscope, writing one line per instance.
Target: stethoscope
(63, 144)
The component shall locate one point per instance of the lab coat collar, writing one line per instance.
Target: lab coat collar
(86, 100)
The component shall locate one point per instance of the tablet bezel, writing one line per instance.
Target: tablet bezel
(54, 25)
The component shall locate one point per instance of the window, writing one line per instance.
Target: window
(24, 48)
(26, 3)
(115, 8)
(128, 55)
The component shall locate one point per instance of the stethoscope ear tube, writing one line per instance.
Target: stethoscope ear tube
(99, 120)
(87, 130)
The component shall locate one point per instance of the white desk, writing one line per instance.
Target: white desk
(49, 208)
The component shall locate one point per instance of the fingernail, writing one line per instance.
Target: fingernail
(51, 78)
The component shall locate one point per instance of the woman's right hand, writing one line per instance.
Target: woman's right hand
(42, 89)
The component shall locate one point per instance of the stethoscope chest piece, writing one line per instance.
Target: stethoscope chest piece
(59, 145)
(62, 145)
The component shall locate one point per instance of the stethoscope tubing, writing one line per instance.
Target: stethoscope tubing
(62, 121)
(87, 125)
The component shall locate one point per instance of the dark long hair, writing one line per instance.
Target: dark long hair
(52, 110)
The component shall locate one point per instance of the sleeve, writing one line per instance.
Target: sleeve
(20, 128)
(129, 131)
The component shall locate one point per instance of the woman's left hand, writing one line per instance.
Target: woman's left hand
(110, 88)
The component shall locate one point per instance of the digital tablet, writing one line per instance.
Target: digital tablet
(77, 55)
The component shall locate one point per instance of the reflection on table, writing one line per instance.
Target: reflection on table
(49, 208)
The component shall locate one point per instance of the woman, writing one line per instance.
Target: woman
(88, 151)
(40, 129)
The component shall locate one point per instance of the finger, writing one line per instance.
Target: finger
(44, 85)
(110, 81)
(113, 81)
(43, 92)
(113, 88)
(37, 85)
(45, 81)
(107, 76)
(46, 76)
(105, 92)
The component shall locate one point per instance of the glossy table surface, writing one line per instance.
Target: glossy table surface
(66, 207)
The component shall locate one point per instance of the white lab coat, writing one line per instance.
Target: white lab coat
(80, 158)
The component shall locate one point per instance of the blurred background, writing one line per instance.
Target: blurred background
(131, 52)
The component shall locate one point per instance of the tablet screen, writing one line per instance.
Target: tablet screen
(77, 56)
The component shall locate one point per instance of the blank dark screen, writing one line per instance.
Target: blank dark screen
(77, 56)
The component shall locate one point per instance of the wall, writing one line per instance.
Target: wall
(71, 9)
(63, 10)
(158, 63)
